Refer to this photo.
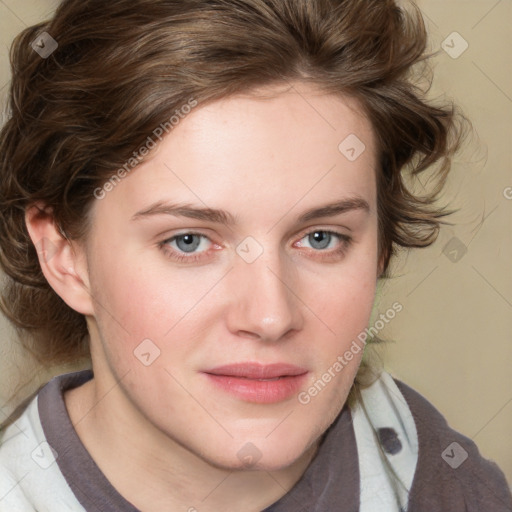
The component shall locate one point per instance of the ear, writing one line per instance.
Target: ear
(63, 263)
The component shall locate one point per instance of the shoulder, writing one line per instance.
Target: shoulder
(451, 464)
(30, 478)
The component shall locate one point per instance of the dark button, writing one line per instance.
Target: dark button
(389, 440)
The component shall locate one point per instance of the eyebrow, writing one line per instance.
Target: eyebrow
(227, 219)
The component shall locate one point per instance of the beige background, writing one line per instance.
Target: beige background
(452, 341)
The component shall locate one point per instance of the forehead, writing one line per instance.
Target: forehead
(272, 145)
(275, 121)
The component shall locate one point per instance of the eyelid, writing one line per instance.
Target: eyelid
(314, 229)
(189, 232)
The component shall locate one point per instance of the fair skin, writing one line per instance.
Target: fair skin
(165, 435)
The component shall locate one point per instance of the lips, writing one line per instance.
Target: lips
(258, 383)
(258, 371)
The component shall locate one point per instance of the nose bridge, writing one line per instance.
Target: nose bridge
(266, 305)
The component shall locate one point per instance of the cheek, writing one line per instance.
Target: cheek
(345, 300)
(127, 307)
(344, 304)
(136, 296)
(345, 307)
(136, 303)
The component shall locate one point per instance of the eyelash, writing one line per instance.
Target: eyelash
(346, 241)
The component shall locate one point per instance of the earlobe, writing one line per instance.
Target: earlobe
(62, 262)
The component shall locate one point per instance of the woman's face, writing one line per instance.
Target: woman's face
(234, 269)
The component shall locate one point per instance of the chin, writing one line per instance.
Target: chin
(261, 455)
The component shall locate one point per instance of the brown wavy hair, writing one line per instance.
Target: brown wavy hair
(121, 69)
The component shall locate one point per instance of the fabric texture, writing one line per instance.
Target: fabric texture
(386, 435)
(44, 466)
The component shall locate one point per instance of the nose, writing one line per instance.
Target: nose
(265, 303)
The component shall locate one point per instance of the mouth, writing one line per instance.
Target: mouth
(258, 383)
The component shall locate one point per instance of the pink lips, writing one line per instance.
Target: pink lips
(254, 382)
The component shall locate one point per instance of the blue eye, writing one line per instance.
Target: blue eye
(184, 246)
(322, 238)
(189, 242)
